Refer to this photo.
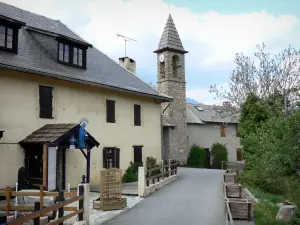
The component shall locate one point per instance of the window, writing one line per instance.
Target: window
(175, 65)
(137, 115)
(162, 69)
(64, 52)
(7, 38)
(239, 154)
(137, 154)
(46, 102)
(199, 108)
(72, 55)
(111, 158)
(110, 111)
(77, 56)
(223, 131)
(237, 131)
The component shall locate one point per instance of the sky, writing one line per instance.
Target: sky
(213, 31)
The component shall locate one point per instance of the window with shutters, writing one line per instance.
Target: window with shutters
(239, 154)
(137, 115)
(46, 98)
(137, 154)
(110, 111)
(111, 157)
(223, 131)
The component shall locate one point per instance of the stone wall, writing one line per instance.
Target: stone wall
(173, 84)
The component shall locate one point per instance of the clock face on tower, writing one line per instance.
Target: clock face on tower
(161, 57)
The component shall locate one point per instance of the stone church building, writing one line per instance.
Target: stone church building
(171, 82)
(187, 124)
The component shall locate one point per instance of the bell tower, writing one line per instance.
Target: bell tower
(171, 81)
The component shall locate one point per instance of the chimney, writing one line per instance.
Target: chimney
(128, 63)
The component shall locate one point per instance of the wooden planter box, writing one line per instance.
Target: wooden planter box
(230, 178)
(240, 208)
(233, 190)
(110, 204)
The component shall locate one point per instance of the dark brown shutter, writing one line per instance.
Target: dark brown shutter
(105, 158)
(117, 158)
(138, 154)
(239, 156)
(223, 131)
(110, 111)
(45, 101)
(137, 115)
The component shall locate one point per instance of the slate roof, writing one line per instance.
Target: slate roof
(54, 134)
(208, 115)
(48, 133)
(37, 53)
(170, 38)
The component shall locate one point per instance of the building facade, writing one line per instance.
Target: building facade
(171, 81)
(49, 75)
(205, 128)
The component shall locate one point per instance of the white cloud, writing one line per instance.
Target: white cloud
(204, 96)
(212, 38)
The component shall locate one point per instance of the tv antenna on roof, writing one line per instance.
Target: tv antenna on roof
(126, 39)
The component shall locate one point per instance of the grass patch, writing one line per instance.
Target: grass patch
(272, 198)
(265, 214)
(266, 210)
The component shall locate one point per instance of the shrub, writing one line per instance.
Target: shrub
(219, 153)
(196, 157)
(151, 163)
(131, 174)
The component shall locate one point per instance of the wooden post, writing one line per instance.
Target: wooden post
(41, 197)
(81, 192)
(45, 166)
(162, 169)
(61, 210)
(36, 221)
(7, 204)
(249, 211)
(170, 169)
(147, 177)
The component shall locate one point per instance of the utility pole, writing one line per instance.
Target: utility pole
(126, 39)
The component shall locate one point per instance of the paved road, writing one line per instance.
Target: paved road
(195, 198)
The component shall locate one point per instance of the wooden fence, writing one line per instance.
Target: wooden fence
(38, 210)
(167, 169)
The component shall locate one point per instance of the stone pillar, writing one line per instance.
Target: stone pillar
(86, 202)
(141, 181)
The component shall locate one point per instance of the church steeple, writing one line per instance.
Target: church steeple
(170, 39)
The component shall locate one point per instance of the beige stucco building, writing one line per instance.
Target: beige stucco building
(39, 58)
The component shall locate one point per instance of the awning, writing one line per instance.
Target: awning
(57, 135)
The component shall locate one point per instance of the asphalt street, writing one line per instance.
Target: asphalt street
(195, 198)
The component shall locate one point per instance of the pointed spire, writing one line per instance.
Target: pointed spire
(170, 39)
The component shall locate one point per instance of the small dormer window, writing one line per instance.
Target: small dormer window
(64, 52)
(72, 54)
(6, 37)
(77, 56)
(9, 31)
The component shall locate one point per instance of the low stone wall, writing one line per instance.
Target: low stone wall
(144, 191)
(153, 187)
